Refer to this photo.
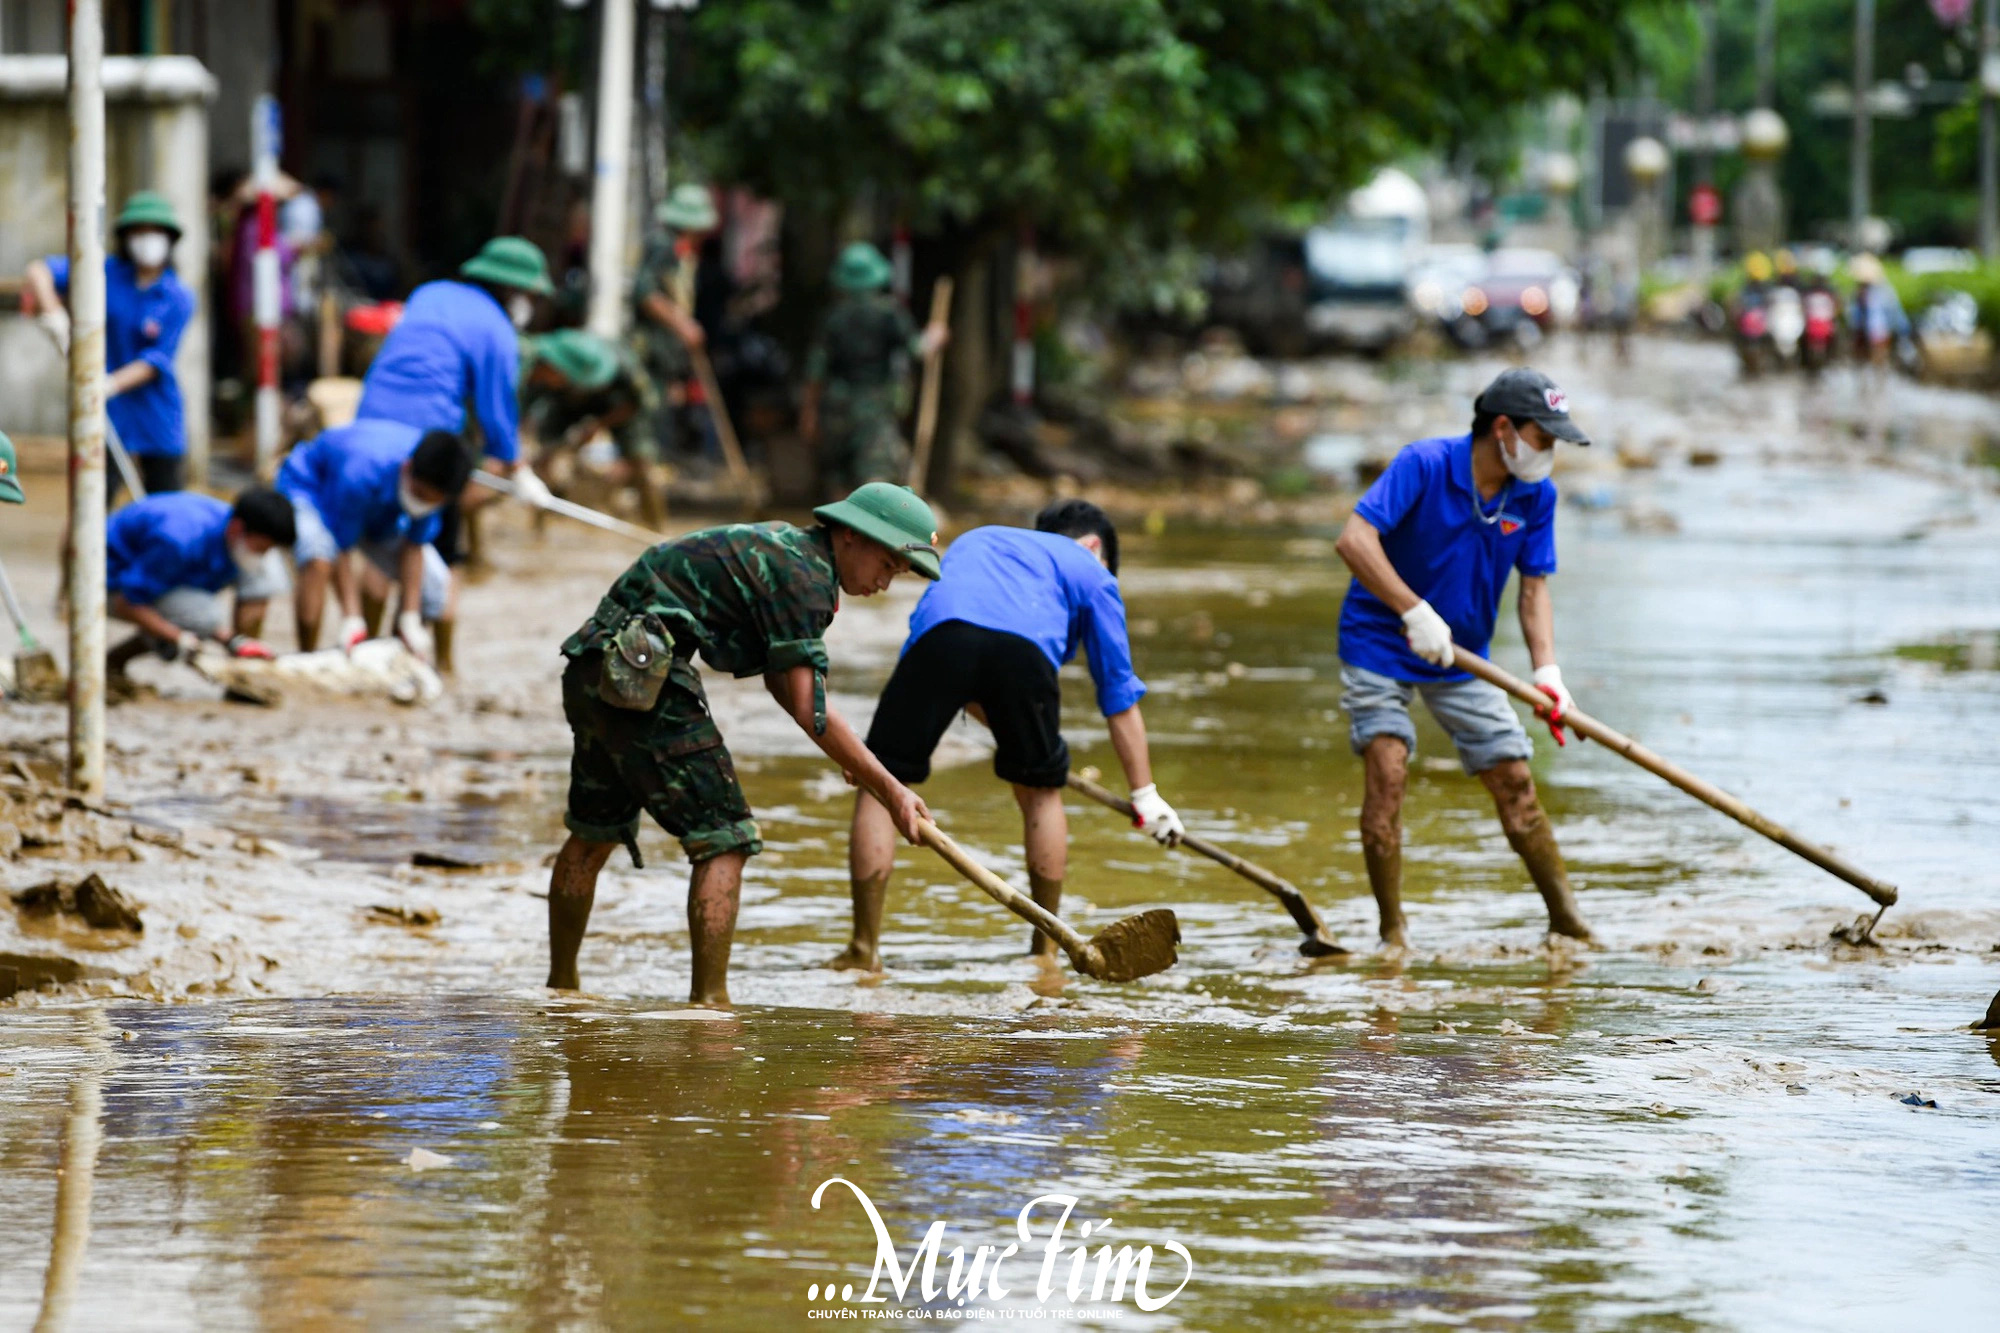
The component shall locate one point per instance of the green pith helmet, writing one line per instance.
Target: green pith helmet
(861, 268)
(584, 359)
(510, 261)
(10, 472)
(149, 208)
(893, 515)
(689, 208)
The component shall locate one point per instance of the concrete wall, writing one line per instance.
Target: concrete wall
(157, 138)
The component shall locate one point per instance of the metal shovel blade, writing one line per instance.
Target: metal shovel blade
(1137, 946)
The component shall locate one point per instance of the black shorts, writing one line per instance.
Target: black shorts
(450, 541)
(956, 664)
(158, 473)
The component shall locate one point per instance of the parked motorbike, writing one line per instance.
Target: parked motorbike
(1822, 327)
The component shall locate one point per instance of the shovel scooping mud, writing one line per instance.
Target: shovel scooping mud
(1126, 950)
(1624, 746)
(36, 675)
(1316, 944)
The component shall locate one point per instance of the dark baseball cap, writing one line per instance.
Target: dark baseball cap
(1522, 394)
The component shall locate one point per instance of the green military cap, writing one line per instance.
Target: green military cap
(893, 515)
(149, 208)
(10, 472)
(689, 208)
(861, 268)
(584, 359)
(510, 261)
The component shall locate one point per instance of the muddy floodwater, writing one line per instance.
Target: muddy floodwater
(1720, 1118)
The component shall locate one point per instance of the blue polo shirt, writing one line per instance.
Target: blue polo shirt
(1044, 588)
(1454, 549)
(348, 475)
(163, 542)
(454, 342)
(142, 324)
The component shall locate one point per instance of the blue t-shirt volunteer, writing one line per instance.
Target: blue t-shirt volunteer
(1454, 549)
(453, 341)
(163, 542)
(1044, 588)
(142, 324)
(349, 474)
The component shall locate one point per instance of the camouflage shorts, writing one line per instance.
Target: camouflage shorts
(670, 762)
(863, 447)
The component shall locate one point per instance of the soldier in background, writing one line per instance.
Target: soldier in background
(855, 372)
(664, 329)
(578, 384)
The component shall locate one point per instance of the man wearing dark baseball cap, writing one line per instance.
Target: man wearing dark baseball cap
(1431, 546)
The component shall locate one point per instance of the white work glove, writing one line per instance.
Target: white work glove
(410, 629)
(1549, 680)
(187, 645)
(353, 630)
(55, 323)
(530, 489)
(1430, 637)
(1151, 812)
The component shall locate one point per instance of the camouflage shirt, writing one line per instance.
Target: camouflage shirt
(864, 343)
(749, 597)
(658, 347)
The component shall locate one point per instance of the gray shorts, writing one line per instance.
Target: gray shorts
(315, 542)
(199, 611)
(1477, 716)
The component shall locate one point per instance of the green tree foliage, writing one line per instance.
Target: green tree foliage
(1114, 123)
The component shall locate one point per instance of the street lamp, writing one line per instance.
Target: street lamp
(1760, 207)
(1646, 163)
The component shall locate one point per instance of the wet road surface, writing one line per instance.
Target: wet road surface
(1702, 1124)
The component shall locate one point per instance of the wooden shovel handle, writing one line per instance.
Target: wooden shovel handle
(1286, 892)
(1009, 897)
(1585, 725)
(725, 429)
(927, 398)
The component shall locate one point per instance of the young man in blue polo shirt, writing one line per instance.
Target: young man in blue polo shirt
(988, 637)
(376, 486)
(1431, 546)
(146, 309)
(169, 557)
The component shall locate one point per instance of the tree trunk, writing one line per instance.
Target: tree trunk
(972, 362)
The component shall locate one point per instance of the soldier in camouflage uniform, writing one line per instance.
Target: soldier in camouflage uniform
(577, 384)
(854, 375)
(751, 599)
(663, 322)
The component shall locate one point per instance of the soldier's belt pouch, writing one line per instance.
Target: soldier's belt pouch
(636, 663)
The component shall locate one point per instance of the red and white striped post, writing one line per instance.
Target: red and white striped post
(267, 296)
(1024, 322)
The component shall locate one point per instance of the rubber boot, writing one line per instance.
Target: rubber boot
(441, 632)
(652, 496)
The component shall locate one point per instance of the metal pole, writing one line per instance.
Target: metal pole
(266, 294)
(1704, 158)
(609, 195)
(1864, 82)
(86, 397)
(1989, 132)
(654, 95)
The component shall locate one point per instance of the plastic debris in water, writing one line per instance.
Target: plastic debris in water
(1917, 1099)
(423, 1159)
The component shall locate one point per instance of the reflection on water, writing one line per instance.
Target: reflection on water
(1699, 1126)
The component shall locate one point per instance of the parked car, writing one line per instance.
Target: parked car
(1523, 295)
(1357, 283)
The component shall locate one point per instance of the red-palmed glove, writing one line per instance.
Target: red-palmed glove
(1549, 680)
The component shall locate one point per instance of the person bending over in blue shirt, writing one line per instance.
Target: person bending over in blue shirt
(167, 559)
(988, 638)
(376, 486)
(146, 309)
(1431, 546)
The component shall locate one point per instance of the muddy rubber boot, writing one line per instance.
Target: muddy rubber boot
(372, 611)
(652, 497)
(441, 634)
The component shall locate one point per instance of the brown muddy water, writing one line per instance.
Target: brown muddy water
(1703, 1124)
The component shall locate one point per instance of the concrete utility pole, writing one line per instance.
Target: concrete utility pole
(1989, 132)
(610, 188)
(1704, 158)
(1767, 52)
(86, 397)
(1864, 81)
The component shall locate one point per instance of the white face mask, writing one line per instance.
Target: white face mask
(247, 561)
(149, 249)
(1526, 462)
(520, 309)
(406, 496)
